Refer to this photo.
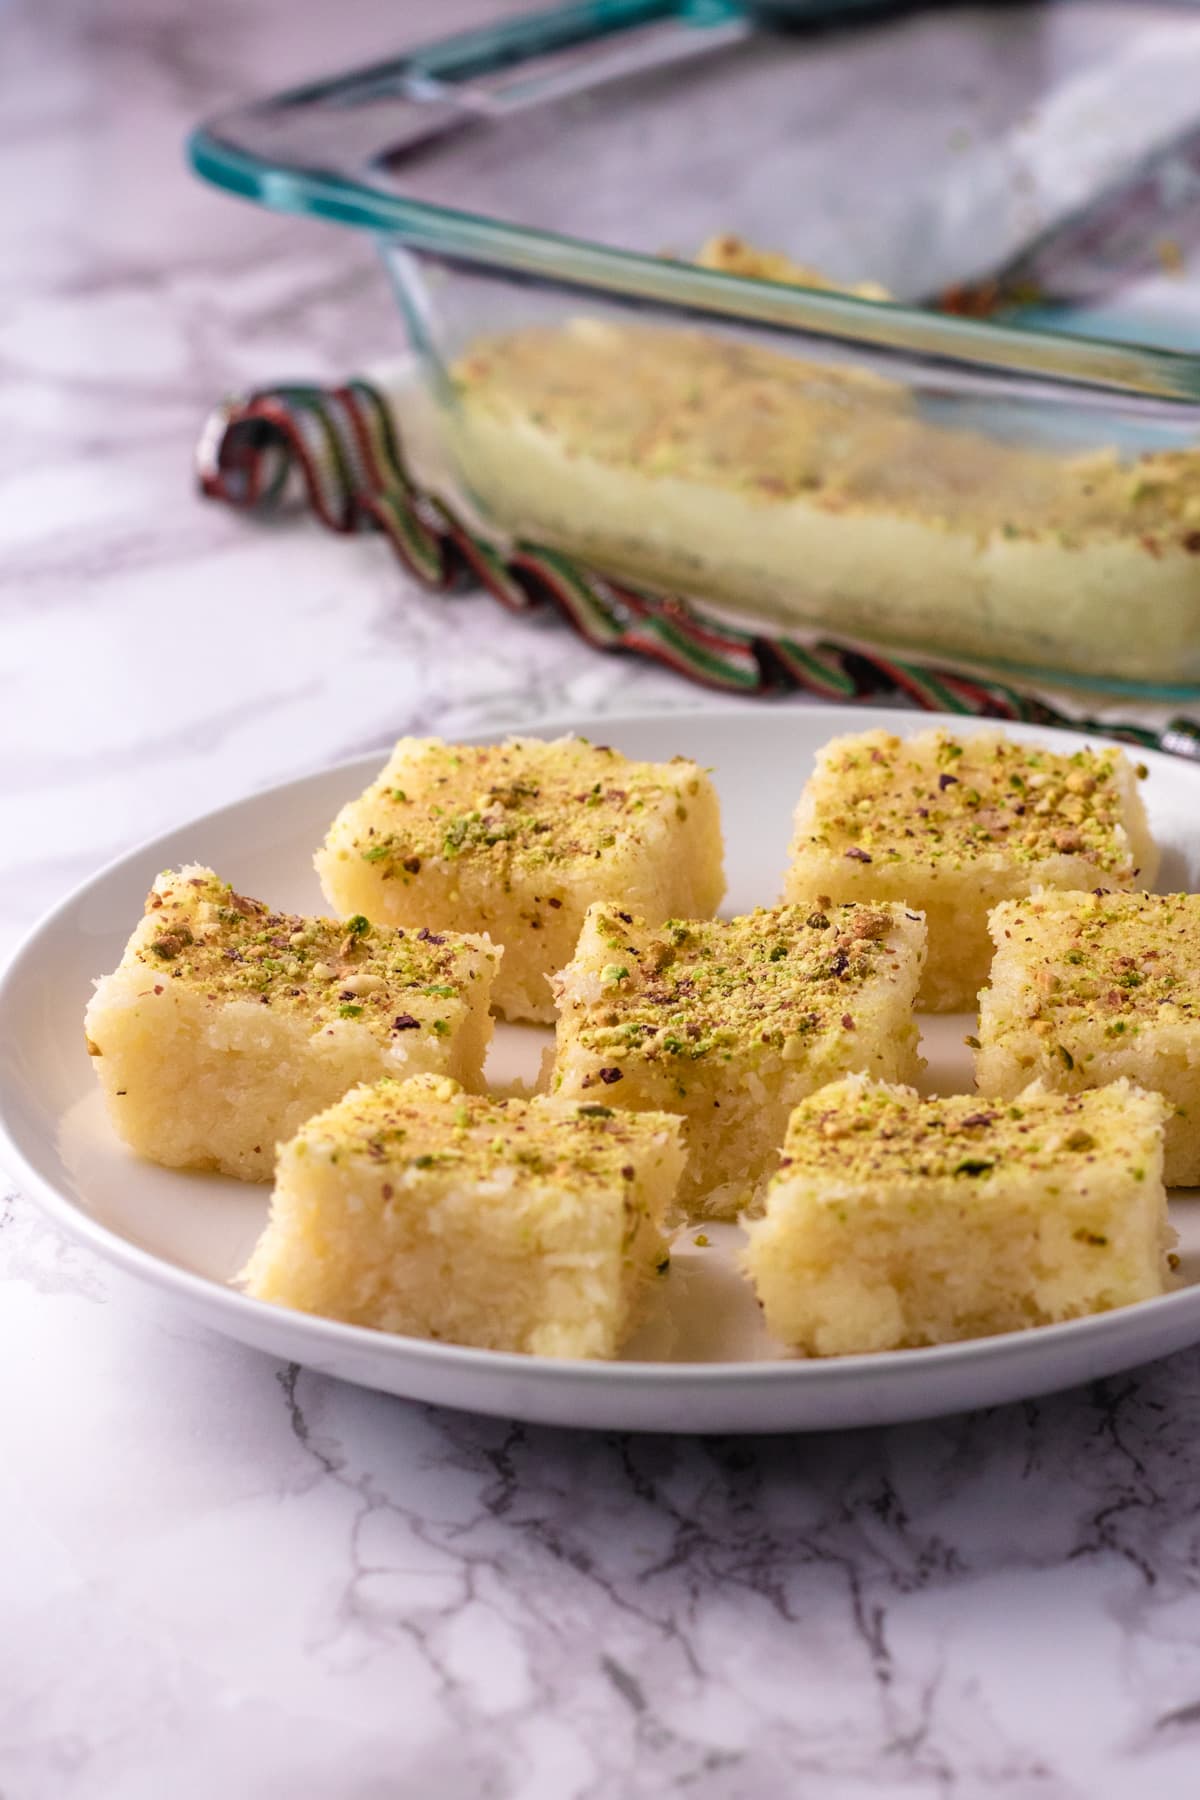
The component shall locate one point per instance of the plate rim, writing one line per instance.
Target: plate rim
(204, 1295)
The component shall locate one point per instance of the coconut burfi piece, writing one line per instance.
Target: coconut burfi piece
(1086, 988)
(896, 1221)
(954, 825)
(517, 840)
(227, 1023)
(731, 1022)
(508, 1224)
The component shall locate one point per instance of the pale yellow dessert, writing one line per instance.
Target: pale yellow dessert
(732, 1022)
(805, 492)
(1086, 988)
(228, 1023)
(896, 1221)
(507, 1224)
(517, 839)
(953, 825)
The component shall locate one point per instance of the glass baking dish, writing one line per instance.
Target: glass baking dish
(1006, 489)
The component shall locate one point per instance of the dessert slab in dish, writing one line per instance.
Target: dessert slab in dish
(703, 1361)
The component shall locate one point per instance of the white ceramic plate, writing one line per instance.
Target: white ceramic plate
(703, 1362)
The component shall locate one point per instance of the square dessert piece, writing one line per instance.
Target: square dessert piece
(227, 1024)
(954, 825)
(517, 840)
(896, 1221)
(1086, 988)
(731, 1022)
(507, 1224)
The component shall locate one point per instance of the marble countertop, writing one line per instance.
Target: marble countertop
(221, 1576)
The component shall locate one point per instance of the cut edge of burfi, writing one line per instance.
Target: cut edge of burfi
(855, 1161)
(957, 836)
(516, 839)
(487, 1194)
(226, 1022)
(638, 1024)
(1085, 989)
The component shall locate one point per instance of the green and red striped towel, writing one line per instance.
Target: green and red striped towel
(339, 449)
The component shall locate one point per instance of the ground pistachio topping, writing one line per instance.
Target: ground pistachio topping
(429, 1123)
(780, 977)
(199, 932)
(863, 1131)
(522, 805)
(1110, 964)
(947, 801)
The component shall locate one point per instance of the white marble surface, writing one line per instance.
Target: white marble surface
(223, 1577)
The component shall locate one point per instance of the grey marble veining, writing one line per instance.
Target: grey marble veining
(220, 1576)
